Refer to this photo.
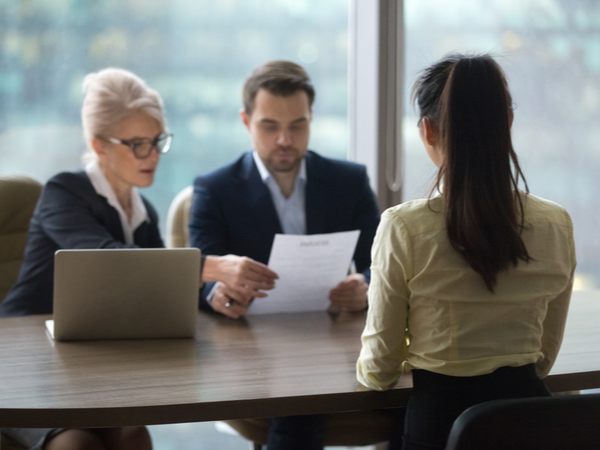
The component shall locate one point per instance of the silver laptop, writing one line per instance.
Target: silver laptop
(125, 294)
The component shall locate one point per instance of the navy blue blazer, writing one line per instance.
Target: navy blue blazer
(233, 213)
(69, 215)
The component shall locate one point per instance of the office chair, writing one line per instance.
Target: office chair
(178, 218)
(549, 423)
(18, 196)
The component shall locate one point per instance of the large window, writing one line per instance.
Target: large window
(197, 54)
(550, 51)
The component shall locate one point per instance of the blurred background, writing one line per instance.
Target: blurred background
(197, 54)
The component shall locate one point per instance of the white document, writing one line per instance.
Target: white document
(309, 266)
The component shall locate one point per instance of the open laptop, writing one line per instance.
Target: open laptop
(125, 294)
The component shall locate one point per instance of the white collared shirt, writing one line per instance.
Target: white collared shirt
(103, 188)
(291, 211)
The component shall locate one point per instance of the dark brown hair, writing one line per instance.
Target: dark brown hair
(282, 78)
(466, 100)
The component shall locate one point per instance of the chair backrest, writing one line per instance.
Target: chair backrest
(178, 219)
(18, 196)
(549, 423)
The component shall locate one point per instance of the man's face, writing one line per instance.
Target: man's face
(279, 128)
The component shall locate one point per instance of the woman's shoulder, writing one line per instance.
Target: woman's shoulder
(418, 216)
(538, 209)
(69, 185)
(70, 180)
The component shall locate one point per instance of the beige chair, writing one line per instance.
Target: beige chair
(18, 197)
(178, 218)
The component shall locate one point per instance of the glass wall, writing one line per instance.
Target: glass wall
(197, 54)
(550, 50)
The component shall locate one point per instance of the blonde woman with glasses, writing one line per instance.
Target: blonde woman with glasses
(100, 207)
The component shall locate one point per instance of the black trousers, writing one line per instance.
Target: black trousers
(437, 400)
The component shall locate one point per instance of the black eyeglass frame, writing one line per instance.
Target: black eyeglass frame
(133, 144)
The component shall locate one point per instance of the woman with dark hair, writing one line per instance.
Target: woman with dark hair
(470, 288)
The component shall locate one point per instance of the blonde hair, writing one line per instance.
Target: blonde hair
(112, 95)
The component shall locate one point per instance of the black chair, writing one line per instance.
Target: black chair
(570, 422)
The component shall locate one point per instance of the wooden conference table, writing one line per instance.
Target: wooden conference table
(270, 365)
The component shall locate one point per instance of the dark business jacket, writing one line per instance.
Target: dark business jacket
(232, 210)
(69, 215)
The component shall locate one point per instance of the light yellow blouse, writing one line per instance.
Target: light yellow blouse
(423, 290)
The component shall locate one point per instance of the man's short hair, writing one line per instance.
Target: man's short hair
(282, 78)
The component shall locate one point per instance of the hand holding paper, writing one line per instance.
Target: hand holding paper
(309, 267)
(351, 294)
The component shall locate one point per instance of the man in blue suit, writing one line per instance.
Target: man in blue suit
(281, 187)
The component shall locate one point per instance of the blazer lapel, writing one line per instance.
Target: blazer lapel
(113, 221)
(102, 209)
(318, 196)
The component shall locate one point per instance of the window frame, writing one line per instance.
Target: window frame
(376, 94)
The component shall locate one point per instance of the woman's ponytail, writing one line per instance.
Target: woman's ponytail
(472, 115)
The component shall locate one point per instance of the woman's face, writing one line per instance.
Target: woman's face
(118, 162)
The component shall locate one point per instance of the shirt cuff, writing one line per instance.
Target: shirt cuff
(211, 293)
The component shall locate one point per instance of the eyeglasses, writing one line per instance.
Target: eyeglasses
(142, 147)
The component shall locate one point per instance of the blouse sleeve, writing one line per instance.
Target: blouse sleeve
(384, 348)
(556, 316)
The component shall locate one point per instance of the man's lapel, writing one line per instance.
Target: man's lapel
(318, 196)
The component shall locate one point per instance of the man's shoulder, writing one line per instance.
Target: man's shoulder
(331, 166)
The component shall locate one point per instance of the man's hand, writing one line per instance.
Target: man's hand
(351, 294)
(227, 302)
(244, 277)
